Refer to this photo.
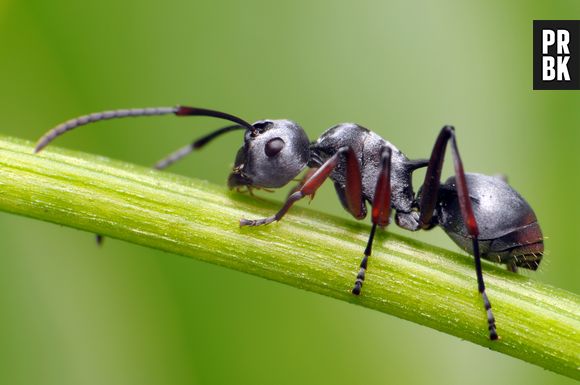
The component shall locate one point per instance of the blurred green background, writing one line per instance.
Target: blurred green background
(72, 313)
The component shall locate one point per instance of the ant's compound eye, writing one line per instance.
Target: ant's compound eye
(273, 147)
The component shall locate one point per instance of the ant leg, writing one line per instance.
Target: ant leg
(429, 200)
(353, 184)
(303, 180)
(381, 211)
(99, 239)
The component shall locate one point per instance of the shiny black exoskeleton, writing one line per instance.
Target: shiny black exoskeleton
(482, 214)
(512, 237)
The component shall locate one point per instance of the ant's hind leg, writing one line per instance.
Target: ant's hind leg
(429, 200)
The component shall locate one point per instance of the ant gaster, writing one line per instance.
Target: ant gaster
(481, 214)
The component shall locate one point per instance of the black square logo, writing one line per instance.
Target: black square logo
(556, 54)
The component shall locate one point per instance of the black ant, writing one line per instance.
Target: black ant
(366, 168)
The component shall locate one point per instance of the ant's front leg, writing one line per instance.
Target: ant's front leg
(429, 200)
(309, 187)
(307, 175)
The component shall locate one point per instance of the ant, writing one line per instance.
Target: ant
(482, 214)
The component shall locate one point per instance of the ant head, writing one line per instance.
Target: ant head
(274, 153)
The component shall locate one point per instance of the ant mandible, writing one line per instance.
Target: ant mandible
(366, 168)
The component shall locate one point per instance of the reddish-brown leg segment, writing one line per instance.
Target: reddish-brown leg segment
(429, 200)
(309, 187)
(381, 211)
(304, 179)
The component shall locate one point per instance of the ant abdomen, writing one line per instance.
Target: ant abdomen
(509, 232)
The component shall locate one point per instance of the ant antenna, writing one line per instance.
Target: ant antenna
(134, 112)
(196, 145)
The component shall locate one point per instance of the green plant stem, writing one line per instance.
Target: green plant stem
(309, 250)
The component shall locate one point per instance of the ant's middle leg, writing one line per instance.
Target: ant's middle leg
(381, 211)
